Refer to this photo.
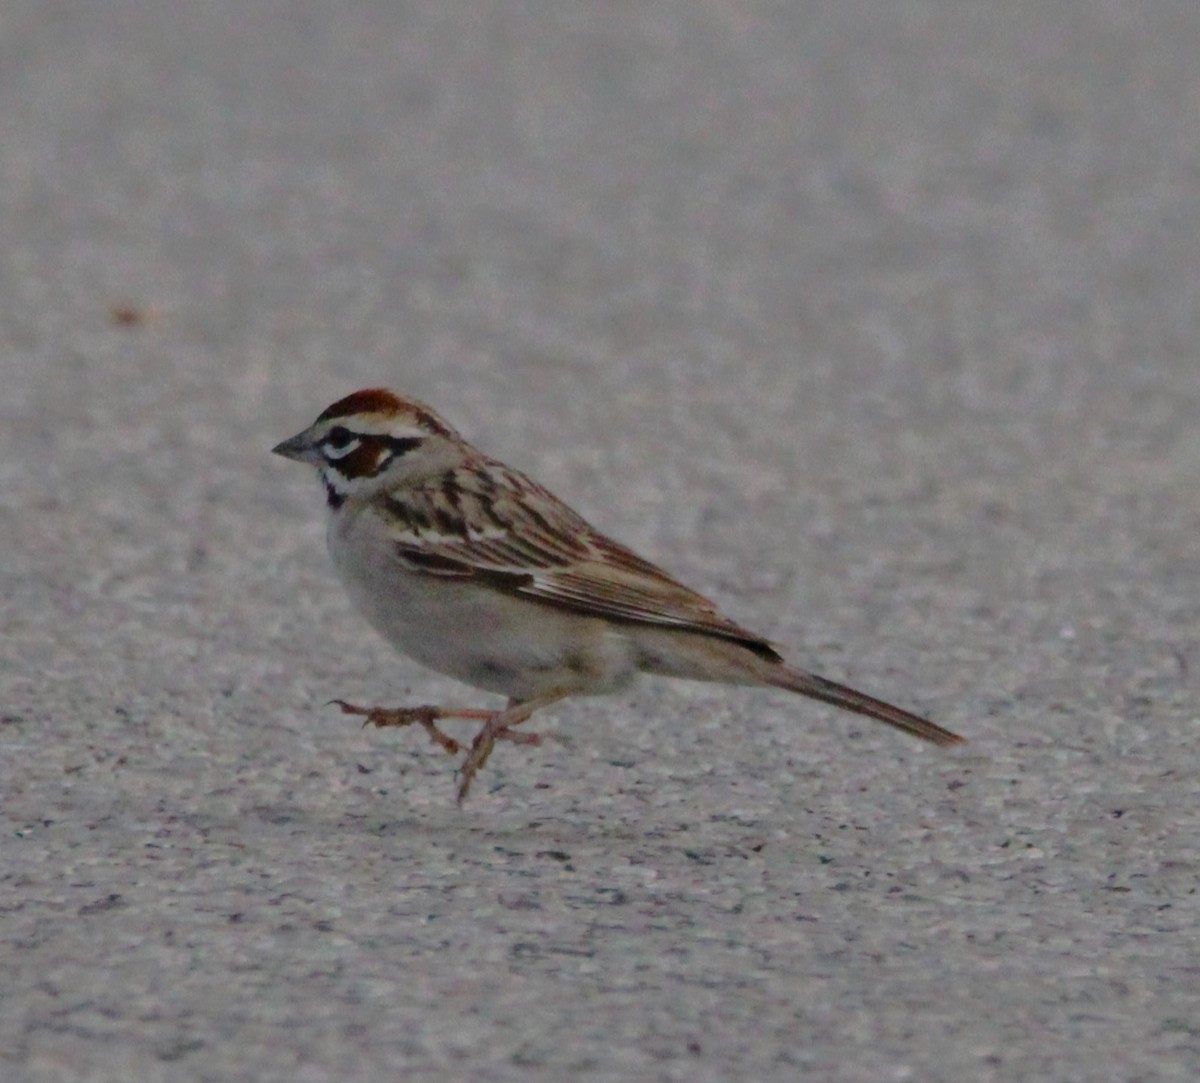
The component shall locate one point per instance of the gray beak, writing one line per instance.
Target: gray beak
(299, 447)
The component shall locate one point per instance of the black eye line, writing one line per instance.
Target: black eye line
(401, 445)
(393, 448)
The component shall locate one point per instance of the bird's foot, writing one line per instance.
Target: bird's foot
(426, 716)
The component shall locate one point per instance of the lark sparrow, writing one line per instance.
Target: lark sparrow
(477, 571)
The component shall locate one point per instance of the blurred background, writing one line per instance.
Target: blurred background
(877, 321)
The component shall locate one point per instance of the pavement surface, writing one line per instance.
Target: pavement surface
(875, 319)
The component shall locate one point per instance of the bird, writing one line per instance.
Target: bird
(475, 570)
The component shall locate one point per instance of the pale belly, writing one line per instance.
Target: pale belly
(486, 638)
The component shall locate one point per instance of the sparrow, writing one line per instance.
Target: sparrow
(473, 569)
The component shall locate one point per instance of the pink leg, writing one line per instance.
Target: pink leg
(499, 728)
(425, 716)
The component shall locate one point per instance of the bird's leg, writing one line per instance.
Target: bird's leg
(425, 716)
(499, 727)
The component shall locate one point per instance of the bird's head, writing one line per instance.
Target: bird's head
(374, 440)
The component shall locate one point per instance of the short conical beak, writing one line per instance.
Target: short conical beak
(299, 447)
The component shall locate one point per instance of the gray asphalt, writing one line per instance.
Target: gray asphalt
(874, 319)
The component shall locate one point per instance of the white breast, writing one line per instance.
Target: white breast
(482, 636)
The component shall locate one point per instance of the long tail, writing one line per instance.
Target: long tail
(849, 699)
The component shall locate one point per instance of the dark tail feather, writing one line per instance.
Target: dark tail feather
(809, 684)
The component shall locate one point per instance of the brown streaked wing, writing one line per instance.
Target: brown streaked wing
(525, 540)
(607, 591)
(501, 531)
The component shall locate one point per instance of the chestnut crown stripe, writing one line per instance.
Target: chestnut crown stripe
(373, 400)
(378, 400)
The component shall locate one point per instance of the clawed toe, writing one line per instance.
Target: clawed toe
(376, 716)
(381, 717)
(497, 726)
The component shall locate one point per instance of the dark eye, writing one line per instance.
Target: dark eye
(339, 443)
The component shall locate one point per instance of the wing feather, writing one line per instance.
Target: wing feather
(519, 537)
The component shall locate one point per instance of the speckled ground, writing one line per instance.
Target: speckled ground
(875, 320)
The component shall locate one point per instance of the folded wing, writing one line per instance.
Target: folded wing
(497, 525)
